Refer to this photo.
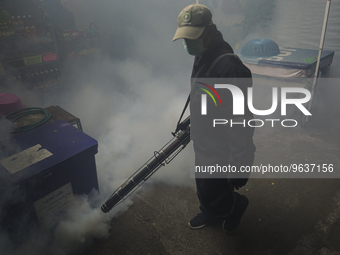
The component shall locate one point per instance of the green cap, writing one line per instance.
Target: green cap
(192, 22)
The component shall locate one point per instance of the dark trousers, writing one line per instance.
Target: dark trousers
(215, 195)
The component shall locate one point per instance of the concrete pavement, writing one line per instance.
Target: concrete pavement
(285, 216)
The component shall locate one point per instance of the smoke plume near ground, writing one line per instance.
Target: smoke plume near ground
(131, 115)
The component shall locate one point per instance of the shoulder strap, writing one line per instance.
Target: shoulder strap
(216, 61)
(180, 118)
(207, 73)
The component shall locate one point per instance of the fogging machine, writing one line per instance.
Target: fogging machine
(161, 157)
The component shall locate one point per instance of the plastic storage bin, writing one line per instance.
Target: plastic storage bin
(51, 164)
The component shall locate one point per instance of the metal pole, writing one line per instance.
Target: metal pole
(322, 40)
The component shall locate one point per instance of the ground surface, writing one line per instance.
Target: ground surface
(285, 216)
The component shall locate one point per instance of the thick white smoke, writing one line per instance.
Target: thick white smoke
(130, 119)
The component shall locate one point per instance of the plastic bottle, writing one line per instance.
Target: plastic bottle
(32, 78)
(5, 31)
(33, 29)
(19, 26)
(48, 75)
(42, 77)
(25, 27)
(52, 74)
(13, 26)
(37, 79)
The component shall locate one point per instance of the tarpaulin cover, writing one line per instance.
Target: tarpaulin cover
(291, 62)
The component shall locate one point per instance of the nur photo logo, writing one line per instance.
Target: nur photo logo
(204, 97)
(279, 95)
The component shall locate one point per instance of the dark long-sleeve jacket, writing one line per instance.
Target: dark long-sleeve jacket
(222, 145)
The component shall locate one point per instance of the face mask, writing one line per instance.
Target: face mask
(194, 47)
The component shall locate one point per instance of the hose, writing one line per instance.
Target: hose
(16, 115)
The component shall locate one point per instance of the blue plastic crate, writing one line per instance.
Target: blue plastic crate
(50, 165)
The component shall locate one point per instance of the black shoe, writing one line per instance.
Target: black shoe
(201, 220)
(231, 221)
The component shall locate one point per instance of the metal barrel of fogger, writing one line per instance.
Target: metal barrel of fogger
(159, 157)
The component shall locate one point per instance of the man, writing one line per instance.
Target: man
(214, 58)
